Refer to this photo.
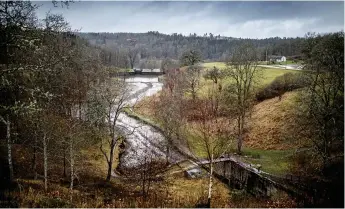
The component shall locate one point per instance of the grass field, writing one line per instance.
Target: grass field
(266, 76)
(214, 64)
(272, 161)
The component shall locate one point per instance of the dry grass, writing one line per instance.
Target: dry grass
(92, 191)
(146, 107)
(272, 125)
(193, 192)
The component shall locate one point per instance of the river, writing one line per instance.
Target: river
(143, 141)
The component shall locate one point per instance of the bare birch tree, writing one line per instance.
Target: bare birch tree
(214, 139)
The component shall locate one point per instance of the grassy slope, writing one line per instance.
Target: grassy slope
(272, 135)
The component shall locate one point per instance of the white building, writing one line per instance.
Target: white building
(274, 58)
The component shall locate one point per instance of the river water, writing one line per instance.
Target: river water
(142, 140)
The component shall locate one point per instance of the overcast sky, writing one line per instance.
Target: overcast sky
(236, 19)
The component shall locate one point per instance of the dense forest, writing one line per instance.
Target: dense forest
(155, 45)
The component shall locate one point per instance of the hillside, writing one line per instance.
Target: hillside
(273, 126)
(212, 47)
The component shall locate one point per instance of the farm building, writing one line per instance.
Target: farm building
(275, 58)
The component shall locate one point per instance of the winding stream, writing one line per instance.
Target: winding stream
(142, 140)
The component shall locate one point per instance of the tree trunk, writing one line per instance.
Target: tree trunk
(143, 184)
(9, 147)
(239, 144)
(64, 164)
(239, 137)
(34, 159)
(71, 152)
(111, 157)
(45, 159)
(210, 183)
(167, 155)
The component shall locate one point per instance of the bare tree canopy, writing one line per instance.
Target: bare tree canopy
(243, 71)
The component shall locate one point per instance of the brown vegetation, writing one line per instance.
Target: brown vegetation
(273, 125)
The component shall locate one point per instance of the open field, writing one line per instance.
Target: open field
(266, 76)
(214, 64)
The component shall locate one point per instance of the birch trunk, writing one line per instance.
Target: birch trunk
(34, 160)
(210, 183)
(45, 159)
(9, 147)
(71, 151)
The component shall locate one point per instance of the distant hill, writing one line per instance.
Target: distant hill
(212, 47)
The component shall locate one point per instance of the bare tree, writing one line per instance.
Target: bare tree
(170, 112)
(148, 171)
(168, 64)
(214, 74)
(193, 78)
(170, 108)
(109, 99)
(242, 70)
(47, 127)
(322, 104)
(212, 133)
(132, 54)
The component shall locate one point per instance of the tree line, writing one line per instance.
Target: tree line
(155, 45)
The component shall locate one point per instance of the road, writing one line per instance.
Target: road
(286, 67)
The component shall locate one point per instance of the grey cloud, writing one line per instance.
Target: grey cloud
(236, 19)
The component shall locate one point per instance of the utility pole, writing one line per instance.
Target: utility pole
(268, 44)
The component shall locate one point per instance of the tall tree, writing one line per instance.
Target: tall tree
(189, 58)
(323, 101)
(15, 18)
(192, 78)
(132, 54)
(108, 100)
(242, 70)
(213, 140)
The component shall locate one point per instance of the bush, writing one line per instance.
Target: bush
(280, 85)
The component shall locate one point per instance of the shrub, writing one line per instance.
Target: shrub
(280, 85)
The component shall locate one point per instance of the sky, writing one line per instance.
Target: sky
(243, 19)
